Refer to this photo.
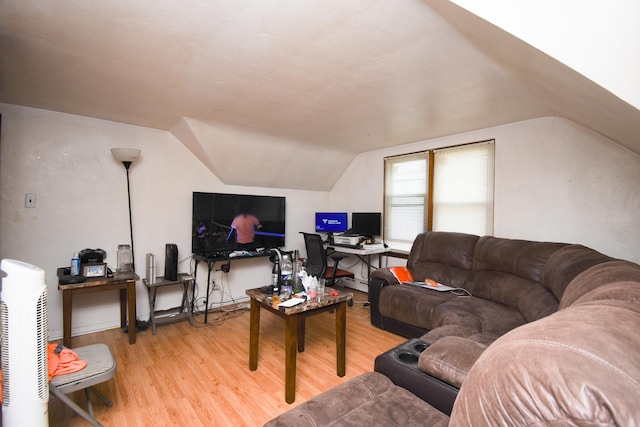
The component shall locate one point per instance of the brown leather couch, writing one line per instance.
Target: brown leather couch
(550, 335)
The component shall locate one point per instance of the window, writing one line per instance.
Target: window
(449, 189)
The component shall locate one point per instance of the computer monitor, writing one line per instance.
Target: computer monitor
(367, 224)
(331, 222)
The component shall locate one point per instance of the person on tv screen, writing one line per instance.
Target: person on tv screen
(245, 225)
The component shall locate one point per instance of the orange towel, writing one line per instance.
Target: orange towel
(63, 361)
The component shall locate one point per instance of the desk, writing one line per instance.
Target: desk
(295, 330)
(124, 282)
(170, 314)
(366, 251)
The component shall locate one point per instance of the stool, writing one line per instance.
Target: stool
(101, 366)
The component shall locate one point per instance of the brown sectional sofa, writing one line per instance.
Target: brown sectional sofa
(549, 335)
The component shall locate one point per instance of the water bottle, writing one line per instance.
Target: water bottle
(75, 265)
(275, 277)
(286, 268)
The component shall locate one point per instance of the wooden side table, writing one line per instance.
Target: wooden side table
(124, 282)
(158, 317)
(295, 330)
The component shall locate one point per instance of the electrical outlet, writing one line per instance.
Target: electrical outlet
(29, 200)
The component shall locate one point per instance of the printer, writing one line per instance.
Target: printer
(341, 239)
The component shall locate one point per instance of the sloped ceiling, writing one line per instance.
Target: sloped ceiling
(291, 91)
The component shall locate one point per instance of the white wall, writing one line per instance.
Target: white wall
(555, 181)
(81, 201)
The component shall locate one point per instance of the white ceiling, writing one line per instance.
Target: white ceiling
(307, 84)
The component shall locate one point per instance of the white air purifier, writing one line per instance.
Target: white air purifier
(24, 333)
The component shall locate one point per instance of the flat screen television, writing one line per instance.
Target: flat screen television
(367, 224)
(224, 223)
(331, 222)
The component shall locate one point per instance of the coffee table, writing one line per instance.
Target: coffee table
(295, 330)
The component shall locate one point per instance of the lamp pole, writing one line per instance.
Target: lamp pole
(133, 252)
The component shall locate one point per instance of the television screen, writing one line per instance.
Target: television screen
(368, 224)
(228, 222)
(331, 222)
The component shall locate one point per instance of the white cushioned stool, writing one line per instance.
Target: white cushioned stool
(101, 366)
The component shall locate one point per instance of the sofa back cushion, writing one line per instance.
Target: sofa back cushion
(443, 256)
(597, 276)
(511, 271)
(564, 265)
(521, 258)
(576, 367)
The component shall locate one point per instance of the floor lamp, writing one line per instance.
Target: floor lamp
(128, 156)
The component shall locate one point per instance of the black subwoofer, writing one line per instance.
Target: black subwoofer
(171, 262)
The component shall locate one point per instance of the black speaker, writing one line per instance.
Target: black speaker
(171, 262)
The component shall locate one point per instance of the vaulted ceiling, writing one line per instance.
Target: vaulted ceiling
(308, 84)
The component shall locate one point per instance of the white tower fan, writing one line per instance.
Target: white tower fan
(24, 334)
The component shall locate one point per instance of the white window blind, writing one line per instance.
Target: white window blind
(406, 193)
(463, 189)
(462, 199)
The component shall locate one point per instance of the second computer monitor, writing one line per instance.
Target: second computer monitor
(367, 224)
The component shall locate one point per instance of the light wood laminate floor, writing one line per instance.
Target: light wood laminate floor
(199, 375)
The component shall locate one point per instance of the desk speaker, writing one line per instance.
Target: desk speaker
(171, 262)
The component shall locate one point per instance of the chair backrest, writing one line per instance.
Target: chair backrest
(316, 255)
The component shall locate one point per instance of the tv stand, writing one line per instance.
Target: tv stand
(211, 260)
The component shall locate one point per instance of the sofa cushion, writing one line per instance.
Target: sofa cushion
(530, 298)
(442, 256)
(511, 272)
(411, 304)
(450, 358)
(369, 399)
(564, 265)
(521, 258)
(478, 316)
(575, 367)
(598, 275)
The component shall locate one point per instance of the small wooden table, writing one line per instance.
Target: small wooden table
(158, 317)
(295, 330)
(124, 282)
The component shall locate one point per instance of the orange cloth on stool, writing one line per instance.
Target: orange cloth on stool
(63, 361)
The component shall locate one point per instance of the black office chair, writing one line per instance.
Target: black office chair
(317, 263)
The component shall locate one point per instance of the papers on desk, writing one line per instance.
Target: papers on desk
(379, 246)
(291, 302)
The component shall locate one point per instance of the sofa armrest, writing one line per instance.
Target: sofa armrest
(379, 279)
(451, 359)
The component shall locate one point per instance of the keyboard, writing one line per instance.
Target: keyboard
(339, 245)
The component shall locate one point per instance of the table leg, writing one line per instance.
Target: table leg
(66, 318)
(131, 298)
(301, 333)
(291, 354)
(210, 265)
(341, 338)
(123, 307)
(152, 306)
(254, 334)
(185, 301)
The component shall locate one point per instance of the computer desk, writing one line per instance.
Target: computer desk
(364, 254)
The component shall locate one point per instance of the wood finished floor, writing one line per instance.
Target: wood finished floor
(199, 375)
